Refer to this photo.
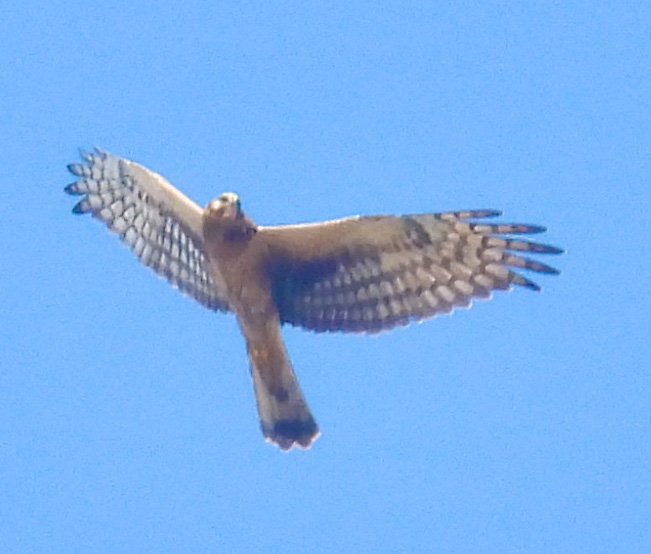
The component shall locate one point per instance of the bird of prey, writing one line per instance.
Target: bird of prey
(360, 274)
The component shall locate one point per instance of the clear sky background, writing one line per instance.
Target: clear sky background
(127, 419)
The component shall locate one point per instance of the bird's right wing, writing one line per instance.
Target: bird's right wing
(161, 225)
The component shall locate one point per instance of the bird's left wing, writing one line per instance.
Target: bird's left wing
(161, 225)
(366, 274)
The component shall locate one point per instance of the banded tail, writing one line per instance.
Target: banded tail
(285, 418)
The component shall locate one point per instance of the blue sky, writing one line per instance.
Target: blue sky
(127, 419)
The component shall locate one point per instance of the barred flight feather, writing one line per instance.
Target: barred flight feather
(117, 193)
(437, 263)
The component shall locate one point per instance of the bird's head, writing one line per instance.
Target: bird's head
(226, 207)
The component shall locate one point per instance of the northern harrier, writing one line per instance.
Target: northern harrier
(357, 274)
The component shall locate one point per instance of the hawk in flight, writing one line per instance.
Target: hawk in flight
(359, 274)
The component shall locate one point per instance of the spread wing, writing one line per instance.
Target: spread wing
(160, 225)
(366, 274)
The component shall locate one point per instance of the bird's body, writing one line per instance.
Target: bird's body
(240, 256)
(357, 274)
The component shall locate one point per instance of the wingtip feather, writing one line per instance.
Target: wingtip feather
(525, 283)
(80, 207)
(72, 189)
(529, 229)
(538, 248)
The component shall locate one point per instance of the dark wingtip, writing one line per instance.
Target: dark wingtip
(541, 268)
(75, 169)
(79, 208)
(522, 281)
(487, 213)
(529, 229)
(72, 189)
(532, 286)
(545, 249)
(477, 214)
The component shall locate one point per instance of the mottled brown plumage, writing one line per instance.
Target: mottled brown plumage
(357, 274)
